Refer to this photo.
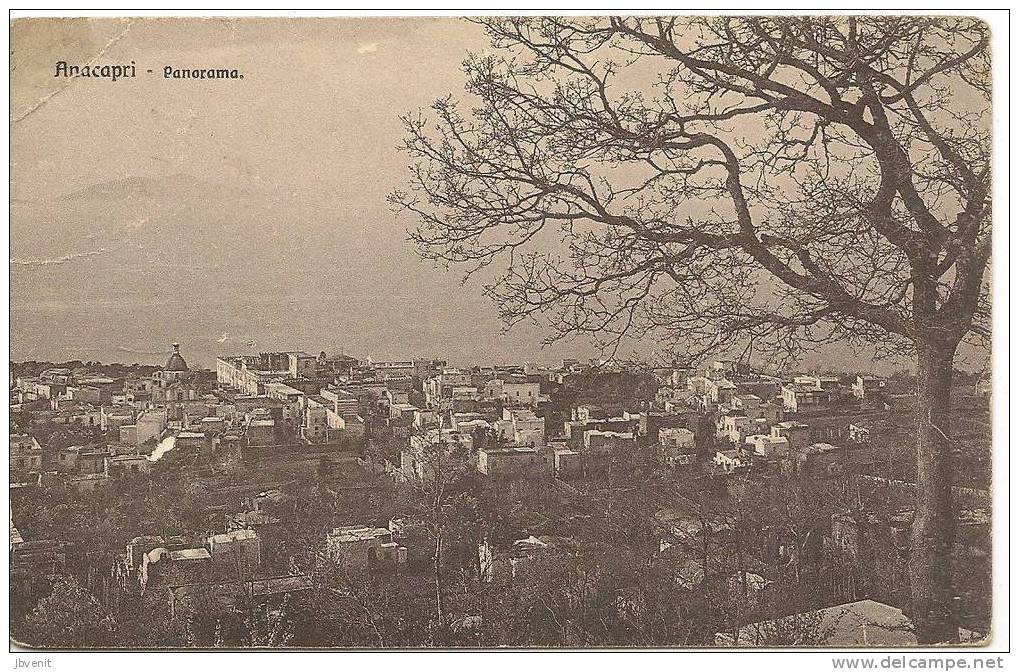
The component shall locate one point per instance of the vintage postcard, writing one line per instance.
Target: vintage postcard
(557, 332)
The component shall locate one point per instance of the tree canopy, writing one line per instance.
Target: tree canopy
(763, 184)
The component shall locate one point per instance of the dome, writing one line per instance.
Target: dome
(176, 362)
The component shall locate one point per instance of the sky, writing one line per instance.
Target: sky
(238, 216)
(233, 215)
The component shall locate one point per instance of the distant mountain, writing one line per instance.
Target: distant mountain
(123, 267)
(153, 217)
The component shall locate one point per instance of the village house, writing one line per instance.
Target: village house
(517, 462)
(315, 427)
(768, 446)
(211, 425)
(394, 396)
(796, 433)
(236, 553)
(119, 466)
(603, 448)
(576, 429)
(508, 564)
(818, 382)
(343, 400)
(650, 423)
(418, 460)
(292, 399)
(40, 557)
(190, 441)
(586, 412)
(865, 623)
(770, 413)
(522, 427)
(600, 442)
(473, 424)
(259, 428)
(162, 566)
(818, 460)
(85, 415)
(748, 404)
(427, 418)
(115, 417)
(440, 387)
(360, 547)
(676, 446)
(25, 456)
(513, 392)
(858, 433)
(567, 462)
(728, 461)
(717, 392)
(733, 427)
(403, 414)
(249, 374)
(353, 428)
(128, 435)
(302, 365)
(391, 370)
(225, 598)
(864, 385)
(82, 459)
(129, 563)
(767, 388)
(149, 425)
(803, 397)
(720, 369)
(677, 377)
(336, 365)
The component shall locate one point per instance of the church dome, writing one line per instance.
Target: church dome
(176, 362)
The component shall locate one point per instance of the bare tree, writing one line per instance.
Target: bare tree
(755, 184)
(439, 465)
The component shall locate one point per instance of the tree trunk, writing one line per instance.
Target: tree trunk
(439, 639)
(933, 534)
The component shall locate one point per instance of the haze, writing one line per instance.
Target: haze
(233, 216)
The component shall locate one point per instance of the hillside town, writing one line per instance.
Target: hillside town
(288, 499)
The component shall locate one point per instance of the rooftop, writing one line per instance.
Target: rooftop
(356, 533)
(856, 624)
(791, 424)
(128, 458)
(190, 554)
(507, 450)
(766, 438)
(176, 362)
(236, 535)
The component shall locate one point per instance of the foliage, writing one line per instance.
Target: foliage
(69, 617)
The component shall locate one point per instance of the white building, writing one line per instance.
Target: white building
(316, 423)
(767, 445)
(729, 460)
(515, 462)
(676, 445)
(522, 427)
(361, 546)
(513, 393)
(867, 384)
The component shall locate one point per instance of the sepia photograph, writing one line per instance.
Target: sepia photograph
(527, 331)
